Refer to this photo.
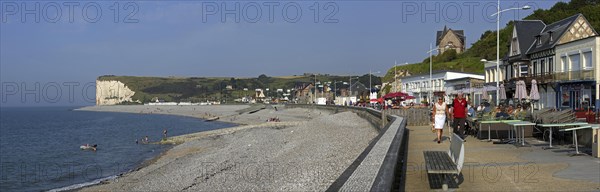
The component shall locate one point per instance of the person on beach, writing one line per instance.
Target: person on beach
(165, 134)
(459, 113)
(439, 117)
(146, 139)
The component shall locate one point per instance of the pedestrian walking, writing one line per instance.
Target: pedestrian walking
(439, 117)
(459, 114)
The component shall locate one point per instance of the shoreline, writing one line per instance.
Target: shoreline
(235, 114)
(144, 163)
(228, 145)
(147, 162)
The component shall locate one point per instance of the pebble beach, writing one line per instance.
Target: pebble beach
(306, 150)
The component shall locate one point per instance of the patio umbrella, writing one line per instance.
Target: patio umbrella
(393, 95)
(534, 94)
(521, 90)
(517, 90)
(502, 93)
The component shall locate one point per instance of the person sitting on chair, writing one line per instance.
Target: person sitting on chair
(501, 114)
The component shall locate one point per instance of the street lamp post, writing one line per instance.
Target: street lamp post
(335, 82)
(395, 77)
(351, 84)
(315, 93)
(431, 49)
(497, 14)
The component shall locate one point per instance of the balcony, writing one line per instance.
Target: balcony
(557, 76)
(574, 75)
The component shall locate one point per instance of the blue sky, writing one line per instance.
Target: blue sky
(194, 38)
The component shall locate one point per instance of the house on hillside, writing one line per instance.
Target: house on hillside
(351, 94)
(303, 93)
(450, 39)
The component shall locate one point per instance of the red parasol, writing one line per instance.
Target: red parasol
(394, 95)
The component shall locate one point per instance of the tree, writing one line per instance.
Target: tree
(233, 83)
(375, 80)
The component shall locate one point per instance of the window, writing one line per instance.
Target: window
(575, 65)
(523, 70)
(563, 64)
(587, 57)
(542, 66)
(536, 68)
(538, 40)
(550, 64)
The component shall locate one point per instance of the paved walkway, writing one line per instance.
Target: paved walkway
(498, 167)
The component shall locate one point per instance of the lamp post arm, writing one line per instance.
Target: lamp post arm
(514, 8)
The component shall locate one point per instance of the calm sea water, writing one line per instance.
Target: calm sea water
(39, 147)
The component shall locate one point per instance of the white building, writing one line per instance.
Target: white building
(576, 73)
(490, 78)
(422, 88)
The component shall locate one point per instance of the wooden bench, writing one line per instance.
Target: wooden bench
(446, 162)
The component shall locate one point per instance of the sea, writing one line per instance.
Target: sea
(40, 146)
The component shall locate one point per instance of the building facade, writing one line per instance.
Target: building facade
(447, 39)
(562, 57)
(576, 75)
(419, 86)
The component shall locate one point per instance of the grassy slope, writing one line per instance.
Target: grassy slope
(211, 88)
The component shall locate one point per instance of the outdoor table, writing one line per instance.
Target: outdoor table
(520, 124)
(574, 129)
(552, 126)
(490, 122)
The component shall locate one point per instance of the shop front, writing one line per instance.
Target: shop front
(577, 95)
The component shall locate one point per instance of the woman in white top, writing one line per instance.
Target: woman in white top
(439, 117)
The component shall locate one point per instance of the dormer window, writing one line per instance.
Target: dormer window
(538, 39)
(550, 36)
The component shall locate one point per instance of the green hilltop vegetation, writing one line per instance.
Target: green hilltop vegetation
(199, 89)
(485, 47)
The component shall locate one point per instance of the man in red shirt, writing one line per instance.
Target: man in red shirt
(459, 113)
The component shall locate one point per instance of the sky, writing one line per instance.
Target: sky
(54, 50)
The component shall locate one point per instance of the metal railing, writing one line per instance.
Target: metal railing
(574, 75)
(413, 116)
(559, 76)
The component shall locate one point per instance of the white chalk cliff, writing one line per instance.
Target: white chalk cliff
(112, 92)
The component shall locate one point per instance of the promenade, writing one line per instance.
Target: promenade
(501, 167)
